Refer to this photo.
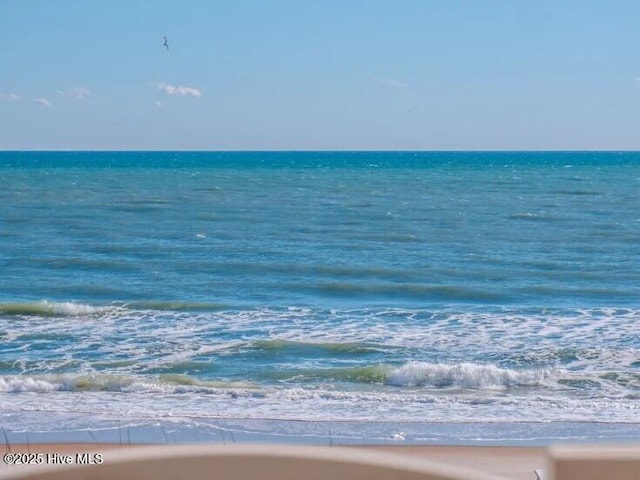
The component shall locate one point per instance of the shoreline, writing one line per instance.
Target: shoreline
(64, 427)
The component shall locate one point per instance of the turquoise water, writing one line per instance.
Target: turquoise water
(319, 286)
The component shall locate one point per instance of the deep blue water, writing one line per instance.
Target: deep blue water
(471, 286)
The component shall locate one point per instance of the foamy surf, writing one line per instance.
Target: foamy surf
(165, 384)
(64, 382)
(463, 375)
(409, 376)
(135, 399)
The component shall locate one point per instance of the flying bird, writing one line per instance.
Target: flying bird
(165, 44)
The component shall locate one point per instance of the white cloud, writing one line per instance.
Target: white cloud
(159, 104)
(10, 96)
(394, 83)
(42, 101)
(177, 90)
(79, 93)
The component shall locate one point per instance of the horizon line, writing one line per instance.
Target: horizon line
(318, 151)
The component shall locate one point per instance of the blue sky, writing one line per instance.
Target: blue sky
(320, 75)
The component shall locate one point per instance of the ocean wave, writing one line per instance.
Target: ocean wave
(64, 382)
(176, 306)
(463, 375)
(329, 347)
(410, 290)
(368, 374)
(167, 384)
(47, 309)
(410, 375)
(423, 374)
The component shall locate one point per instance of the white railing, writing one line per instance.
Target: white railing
(285, 462)
(593, 462)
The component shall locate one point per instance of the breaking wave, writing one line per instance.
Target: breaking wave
(413, 374)
(463, 375)
(47, 309)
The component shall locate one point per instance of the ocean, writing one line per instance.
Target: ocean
(320, 297)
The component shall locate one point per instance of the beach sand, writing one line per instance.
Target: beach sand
(516, 463)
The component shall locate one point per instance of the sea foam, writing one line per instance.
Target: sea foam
(463, 375)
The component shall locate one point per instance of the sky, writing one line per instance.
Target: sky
(320, 75)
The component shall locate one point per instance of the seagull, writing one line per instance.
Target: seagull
(165, 44)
